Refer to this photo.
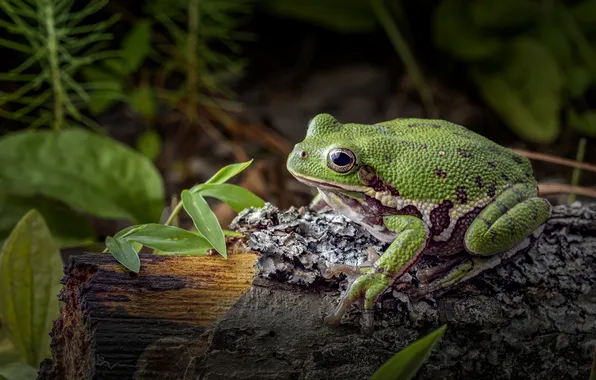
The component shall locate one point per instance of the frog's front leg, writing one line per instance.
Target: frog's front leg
(507, 226)
(404, 251)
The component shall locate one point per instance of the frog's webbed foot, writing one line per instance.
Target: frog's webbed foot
(402, 253)
(364, 290)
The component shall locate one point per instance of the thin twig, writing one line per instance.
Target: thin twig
(556, 188)
(556, 160)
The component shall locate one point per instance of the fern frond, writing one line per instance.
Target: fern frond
(57, 44)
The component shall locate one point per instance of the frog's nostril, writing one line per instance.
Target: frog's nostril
(303, 154)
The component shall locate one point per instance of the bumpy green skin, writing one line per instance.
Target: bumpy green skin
(426, 186)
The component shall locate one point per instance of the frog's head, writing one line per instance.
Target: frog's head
(328, 157)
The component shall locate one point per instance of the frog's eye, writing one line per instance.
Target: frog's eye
(341, 160)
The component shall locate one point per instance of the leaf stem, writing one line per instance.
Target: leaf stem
(191, 69)
(577, 172)
(54, 66)
(401, 46)
(174, 213)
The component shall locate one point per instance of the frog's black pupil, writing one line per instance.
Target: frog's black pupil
(340, 158)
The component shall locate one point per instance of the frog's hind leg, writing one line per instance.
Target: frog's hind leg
(473, 266)
(514, 215)
(508, 225)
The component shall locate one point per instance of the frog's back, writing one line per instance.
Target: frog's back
(435, 160)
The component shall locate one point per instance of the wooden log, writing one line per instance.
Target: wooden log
(111, 317)
(531, 318)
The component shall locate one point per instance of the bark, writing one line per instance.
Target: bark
(532, 317)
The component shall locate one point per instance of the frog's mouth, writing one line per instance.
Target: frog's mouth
(328, 185)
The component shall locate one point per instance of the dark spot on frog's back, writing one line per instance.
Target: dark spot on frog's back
(491, 190)
(492, 165)
(479, 182)
(461, 194)
(440, 173)
(464, 153)
(517, 159)
(505, 177)
(439, 217)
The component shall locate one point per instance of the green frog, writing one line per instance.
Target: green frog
(426, 187)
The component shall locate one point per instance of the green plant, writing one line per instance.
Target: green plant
(405, 364)
(167, 239)
(74, 171)
(192, 28)
(531, 61)
(28, 296)
(55, 46)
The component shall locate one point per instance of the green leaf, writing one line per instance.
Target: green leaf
(168, 239)
(68, 228)
(237, 197)
(228, 172)
(87, 171)
(17, 371)
(405, 364)
(585, 123)
(149, 144)
(579, 79)
(504, 13)
(136, 45)
(455, 32)
(108, 94)
(30, 274)
(346, 16)
(526, 91)
(584, 13)
(124, 253)
(205, 220)
(142, 99)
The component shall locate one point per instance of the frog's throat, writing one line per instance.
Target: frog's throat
(316, 182)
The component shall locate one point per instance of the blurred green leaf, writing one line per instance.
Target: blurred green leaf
(87, 171)
(136, 45)
(405, 364)
(149, 143)
(585, 122)
(554, 37)
(456, 32)
(578, 80)
(142, 99)
(237, 197)
(124, 253)
(8, 353)
(107, 92)
(347, 16)
(205, 220)
(502, 14)
(526, 92)
(167, 238)
(227, 172)
(67, 227)
(30, 274)
(17, 371)
(584, 13)
(116, 65)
